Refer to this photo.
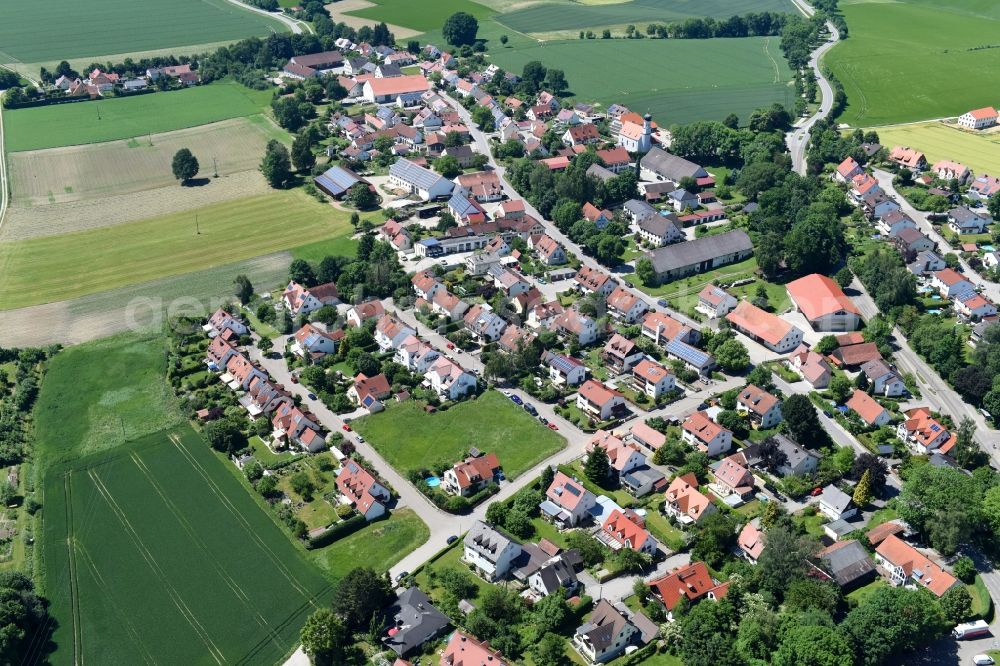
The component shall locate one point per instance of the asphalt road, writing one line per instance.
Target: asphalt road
(798, 138)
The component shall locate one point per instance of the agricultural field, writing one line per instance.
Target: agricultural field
(732, 75)
(902, 38)
(555, 16)
(182, 562)
(410, 438)
(54, 268)
(51, 31)
(99, 170)
(421, 16)
(134, 117)
(979, 152)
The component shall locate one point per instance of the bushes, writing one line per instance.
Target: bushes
(337, 532)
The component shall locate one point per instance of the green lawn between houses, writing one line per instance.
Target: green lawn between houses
(67, 29)
(934, 51)
(54, 268)
(126, 117)
(410, 438)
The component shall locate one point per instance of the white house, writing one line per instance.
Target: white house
(565, 370)
(490, 552)
(883, 379)
(972, 306)
(313, 341)
(605, 635)
(951, 284)
(764, 408)
(625, 306)
(573, 324)
(922, 432)
(706, 435)
(567, 502)
(415, 354)
(301, 300)
(450, 380)
(978, 118)
(653, 379)
(835, 504)
(962, 220)
(390, 332)
(599, 401)
(715, 301)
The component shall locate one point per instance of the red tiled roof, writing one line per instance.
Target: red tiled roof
(764, 325)
(693, 582)
(817, 295)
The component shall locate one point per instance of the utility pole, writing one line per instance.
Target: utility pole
(215, 167)
(197, 229)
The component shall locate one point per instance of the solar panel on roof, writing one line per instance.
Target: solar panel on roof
(573, 490)
(687, 353)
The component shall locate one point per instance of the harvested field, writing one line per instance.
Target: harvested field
(99, 170)
(980, 151)
(338, 15)
(60, 218)
(55, 268)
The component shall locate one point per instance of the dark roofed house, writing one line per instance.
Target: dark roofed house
(848, 564)
(320, 61)
(658, 164)
(700, 255)
(414, 622)
(605, 635)
(337, 180)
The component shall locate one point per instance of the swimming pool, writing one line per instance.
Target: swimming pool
(432, 481)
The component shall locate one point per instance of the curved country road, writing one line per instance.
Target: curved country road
(294, 25)
(798, 138)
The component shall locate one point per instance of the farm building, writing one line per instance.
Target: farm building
(700, 255)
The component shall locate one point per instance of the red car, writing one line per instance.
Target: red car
(553, 426)
(451, 345)
(346, 427)
(816, 492)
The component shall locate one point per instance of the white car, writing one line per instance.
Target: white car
(983, 660)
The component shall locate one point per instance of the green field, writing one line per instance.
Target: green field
(409, 438)
(64, 29)
(552, 16)
(917, 60)
(155, 549)
(423, 16)
(379, 546)
(53, 268)
(127, 117)
(723, 75)
(979, 152)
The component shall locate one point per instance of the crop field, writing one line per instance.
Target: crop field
(132, 117)
(979, 152)
(99, 170)
(54, 268)
(553, 16)
(908, 61)
(155, 549)
(64, 29)
(423, 16)
(721, 76)
(410, 438)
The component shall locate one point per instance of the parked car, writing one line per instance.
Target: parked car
(346, 427)
(450, 345)
(507, 393)
(543, 420)
(628, 284)
(528, 407)
(402, 575)
(515, 399)
(827, 414)
(452, 539)
(983, 660)
(553, 426)
(816, 492)
(663, 303)
(361, 439)
(312, 396)
(295, 380)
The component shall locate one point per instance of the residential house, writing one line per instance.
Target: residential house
(646, 437)
(768, 329)
(450, 380)
(544, 315)
(600, 218)
(415, 621)
(974, 307)
(548, 249)
(653, 379)
(708, 436)
(224, 325)
(951, 284)
(313, 342)
(369, 392)
(692, 582)
(813, 367)
(472, 475)
(362, 312)
(921, 431)
(682, 200)
(622, 457)
(515, 338)
(684, 502)
(905, 565)
(403, 91)
(799, 460)
(598, 401)
(484, 324)
(292, 426)
(643, 480)
(464, 650)
(556, 575)
(481, 263)
(732, 479)
(390, 332)
(764, 408)
(893, 222)
(483, 186)
(567, 503)
(581, 135)
(835, 504)
(219, 352)
(565, 370)
(417, 180)
(883, 379)
(658, 164)
(466, 210)
(448, 305)
(490, 552)
(977, 119)
(416, 355)
(911, 241)
(824, 304)
(700, 255)
(715, 301)
(870, 411)
(240, 371)
(750, 541)
(591, 280)
(864, 185)
(509, 282)
(302, 300)
(615, 160)
(623, 305)
(949, 170)
(635, 211)
(464, 155)
(605, 635)
(620, 354)
(573, 324)
(984, 187)
(904, 156)
(660, 230)
(623, 531)
(363, 491)
(928, 262)
(847, 563)
(662, 328)
(847, 170)
(263, 397)
(962, 220)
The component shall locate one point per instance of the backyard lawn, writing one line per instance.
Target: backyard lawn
(683, 294)
(379, 546)
(410, 438)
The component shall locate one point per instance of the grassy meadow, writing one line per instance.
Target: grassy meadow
(64, 29)
(53, 268)
(129, 117)
(917, 60)
(979, 152)
(422, 16)
(727, 75)
(410, 438)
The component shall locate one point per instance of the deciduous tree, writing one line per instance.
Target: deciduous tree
(184, 165)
